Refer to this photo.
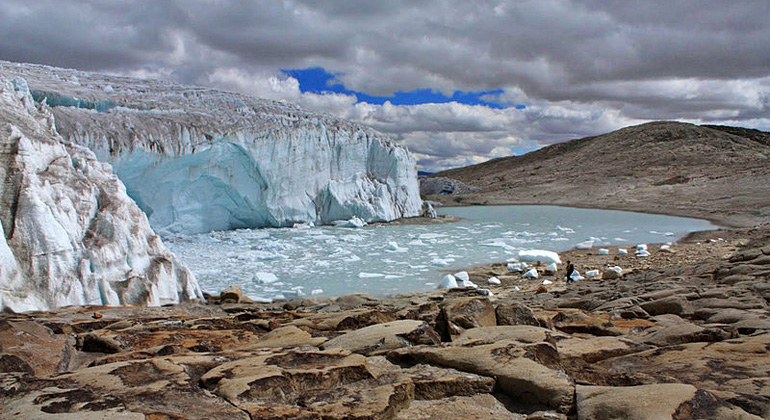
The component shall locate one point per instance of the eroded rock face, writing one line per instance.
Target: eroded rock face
(71, 235)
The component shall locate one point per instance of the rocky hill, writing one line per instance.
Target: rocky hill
(198, 159)
(713, 172)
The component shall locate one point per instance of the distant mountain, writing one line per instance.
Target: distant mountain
(715, 172)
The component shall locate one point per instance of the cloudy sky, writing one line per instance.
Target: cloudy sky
(457, 81)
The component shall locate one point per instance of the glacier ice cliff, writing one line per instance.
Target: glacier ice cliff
(197, 159)
(70, 233)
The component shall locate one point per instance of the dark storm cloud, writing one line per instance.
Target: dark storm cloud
(580, 66)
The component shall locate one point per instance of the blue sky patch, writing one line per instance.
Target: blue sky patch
(318, 80)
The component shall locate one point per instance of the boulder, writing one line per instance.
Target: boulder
(515, 313)
(522, 371)
(459, 314)
(433, 383)
(231, 294)
(27, 343)
(668, 305)
(713, 366)
(653, 402)
(575, 321)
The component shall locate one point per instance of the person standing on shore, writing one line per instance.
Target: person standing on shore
(570, 269)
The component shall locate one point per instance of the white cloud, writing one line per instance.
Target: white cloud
(580, 67)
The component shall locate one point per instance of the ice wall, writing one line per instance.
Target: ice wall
(197, 159)
(70, 234)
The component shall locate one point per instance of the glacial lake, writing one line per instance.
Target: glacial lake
(387, 259)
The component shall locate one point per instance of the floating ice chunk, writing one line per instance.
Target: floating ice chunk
(551, 268)
(353, 222)
(393, 276)
(533, 255)
(370, 275)
(304, 225)
(416, 242)
(604, 251)
(565, 229)
(546, 282)
(440, 262)
(531, 274)
(592, 274)
(263, 277)
(622, 251)
(393, 247)
(448, 282)
(494, 280)
(316, 291)
(585, 245)
(291, 294)
(517, 267)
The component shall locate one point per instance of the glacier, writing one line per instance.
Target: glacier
(70, 233)
(198, 160)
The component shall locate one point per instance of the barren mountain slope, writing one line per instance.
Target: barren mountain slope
(718, 173)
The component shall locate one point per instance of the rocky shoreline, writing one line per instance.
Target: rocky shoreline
(682, 334)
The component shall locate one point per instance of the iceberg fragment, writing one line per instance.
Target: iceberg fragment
(448, 282)
(539, 255)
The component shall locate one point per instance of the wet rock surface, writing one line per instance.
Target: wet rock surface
(670, 338)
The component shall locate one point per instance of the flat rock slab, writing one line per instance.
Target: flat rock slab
(454, 408)
(385, 337)
(520, 370)
(524, 334)
(712, 366)
(327, 384)
(653, 402)
(289, 336)
(126, 390)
